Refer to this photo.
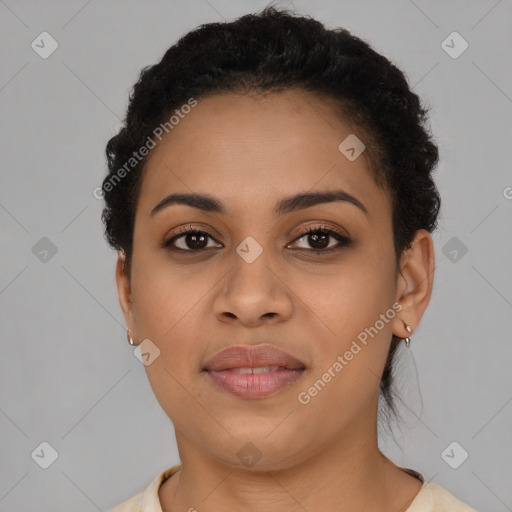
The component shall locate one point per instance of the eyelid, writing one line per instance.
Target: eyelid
(323, 226)
(194, 227)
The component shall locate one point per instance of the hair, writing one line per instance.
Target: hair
(272, 51)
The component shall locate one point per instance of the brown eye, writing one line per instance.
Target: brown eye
(191, 240)
(319, 239)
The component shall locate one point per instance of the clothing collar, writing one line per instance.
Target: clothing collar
(149, 500)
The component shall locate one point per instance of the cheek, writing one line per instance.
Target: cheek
(166, 308)
(166, 313)
(352, 318)
(165, 297)
(349, 297)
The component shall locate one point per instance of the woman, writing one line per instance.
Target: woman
(272, 202)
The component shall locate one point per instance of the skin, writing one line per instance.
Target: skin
(249, 152)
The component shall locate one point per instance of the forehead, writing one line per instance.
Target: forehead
(256, 148)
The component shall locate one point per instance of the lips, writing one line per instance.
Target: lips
(252, 372)
(254, 356)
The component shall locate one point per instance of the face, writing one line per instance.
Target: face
(255, 276)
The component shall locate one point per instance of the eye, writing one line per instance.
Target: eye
(194, 240)
(189, 240)
(318, 239)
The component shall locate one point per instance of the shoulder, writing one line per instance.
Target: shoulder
(147, 500)
(434, 498)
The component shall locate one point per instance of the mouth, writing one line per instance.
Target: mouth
(253, 372)
(251, 383)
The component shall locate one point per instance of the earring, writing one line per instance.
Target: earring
(129, 338)
(409, 330)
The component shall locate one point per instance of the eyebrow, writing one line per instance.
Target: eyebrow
(208, 203)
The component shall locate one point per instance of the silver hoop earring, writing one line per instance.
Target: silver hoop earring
(407, 340)
(129, 338)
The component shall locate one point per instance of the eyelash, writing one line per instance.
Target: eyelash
(343, 240)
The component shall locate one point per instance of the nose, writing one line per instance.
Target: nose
(253, 294)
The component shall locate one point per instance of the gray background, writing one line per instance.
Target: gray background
(68, 376)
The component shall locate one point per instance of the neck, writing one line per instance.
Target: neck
(349, 476)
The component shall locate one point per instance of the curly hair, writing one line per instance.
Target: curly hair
(272, 51)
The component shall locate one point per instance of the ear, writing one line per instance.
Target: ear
(415, 281)
(124, 293)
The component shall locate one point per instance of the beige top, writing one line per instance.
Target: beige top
(430, 498)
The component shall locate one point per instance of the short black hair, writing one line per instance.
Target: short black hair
(272, 51)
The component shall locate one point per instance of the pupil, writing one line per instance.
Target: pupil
(195, 238)
(322, 244)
